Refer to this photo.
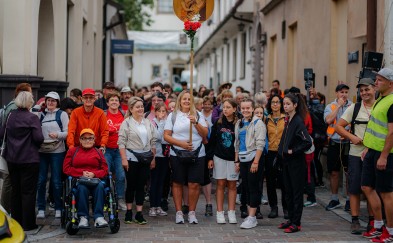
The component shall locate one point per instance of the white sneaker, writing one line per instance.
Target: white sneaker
(152, 212)
(100, 222)
(83, 222)
(58, 214)
(220, 217)
(249, 223)
(179, 217)
(232, 217)
(122, 204)
(238, 202)
(161, 212)
(191, 218)
(41, 214)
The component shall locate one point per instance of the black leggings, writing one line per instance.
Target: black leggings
(251, 183)
(136, 176)
(274, 180)
(157, 180)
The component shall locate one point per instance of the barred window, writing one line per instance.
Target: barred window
(165, 6)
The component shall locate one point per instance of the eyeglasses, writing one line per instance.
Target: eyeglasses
(276, 102)
(88, 139)
(88, 97)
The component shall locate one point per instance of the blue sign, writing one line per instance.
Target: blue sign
(122, 46)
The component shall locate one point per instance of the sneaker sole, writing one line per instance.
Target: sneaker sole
(248, 227)
(335, 207)
(127, 222)
(101, 226)
(181, 222)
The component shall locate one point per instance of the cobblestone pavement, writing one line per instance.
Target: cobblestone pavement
(318, 225)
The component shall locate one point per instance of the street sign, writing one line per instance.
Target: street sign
(187, 9)
(122, 47)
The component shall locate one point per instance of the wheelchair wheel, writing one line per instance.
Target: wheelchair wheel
(114, 225)
(71, 228)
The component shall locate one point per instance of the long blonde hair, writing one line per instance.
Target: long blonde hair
(177, 106)
(131, 102)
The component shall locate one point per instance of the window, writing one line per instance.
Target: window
(165, 6)
(234, 67)
(156, 71)
(243, 56)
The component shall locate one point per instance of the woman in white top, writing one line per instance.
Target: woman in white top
(136, 135)
(177, 132)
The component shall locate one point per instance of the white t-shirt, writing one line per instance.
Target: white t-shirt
(360, 129)
(208, 119)
(181, 131)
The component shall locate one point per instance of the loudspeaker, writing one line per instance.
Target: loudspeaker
(372, 60)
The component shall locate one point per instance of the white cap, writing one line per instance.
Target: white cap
(125, 89)
(53, 95)
(386, 73)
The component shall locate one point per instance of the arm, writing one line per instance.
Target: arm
(212, 143)
(330, 115)
(104, 130)
(382, 161)
(304, 138)
(71, 130)
(103, 171)
(340, 130)
(201, 127)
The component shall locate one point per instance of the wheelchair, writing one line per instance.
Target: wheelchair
(69, 217)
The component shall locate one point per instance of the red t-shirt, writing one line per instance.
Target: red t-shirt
(124, 107)
(114, 121)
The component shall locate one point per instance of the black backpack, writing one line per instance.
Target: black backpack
(354, 116)
(318, 127)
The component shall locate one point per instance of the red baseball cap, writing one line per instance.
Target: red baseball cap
(88, 91)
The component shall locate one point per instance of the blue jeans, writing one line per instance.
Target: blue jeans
(55, 161)
(113, 159)
(82, 200)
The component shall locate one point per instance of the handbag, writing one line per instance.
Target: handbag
(144, 157)
(49, 146)
(89, 181)
(187, 157)
(3, 162)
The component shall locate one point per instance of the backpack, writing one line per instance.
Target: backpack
(3, 111)
(354, 116)
(57, 118)
(319, 128)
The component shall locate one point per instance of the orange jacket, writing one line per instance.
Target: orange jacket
(95, 120)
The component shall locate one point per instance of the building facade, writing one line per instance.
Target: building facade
(51, 44)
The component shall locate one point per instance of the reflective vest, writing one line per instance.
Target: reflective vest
(377, 128)
(330, 129)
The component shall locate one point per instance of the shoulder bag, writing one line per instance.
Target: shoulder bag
(3, 162)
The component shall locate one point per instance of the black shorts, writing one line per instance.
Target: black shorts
(187, 173)
(355, 166)
(337, 156)
(380, 180)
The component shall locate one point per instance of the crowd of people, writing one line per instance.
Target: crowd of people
(158, 142)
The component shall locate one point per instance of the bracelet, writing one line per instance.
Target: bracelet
(237, 162)
(255, 163)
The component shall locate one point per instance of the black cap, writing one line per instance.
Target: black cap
(341, 86)
(365, 81)
(159, 95)
(109, 85)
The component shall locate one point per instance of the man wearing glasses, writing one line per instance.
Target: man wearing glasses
(88, 116)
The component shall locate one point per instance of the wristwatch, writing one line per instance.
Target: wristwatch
(196, 123)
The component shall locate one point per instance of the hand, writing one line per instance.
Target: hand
(186, 145)
(289, 151)
(124, 163)
(53, 135)
(210, 164)
(364, 154)
(153, 164)
(102, 149)
(254, 167)
(340, 102)
(237, 167)
(381, 163)
(356, 140)
(193, 119)
(88, 174)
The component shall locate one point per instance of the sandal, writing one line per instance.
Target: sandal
(293, 229)
(284, 225)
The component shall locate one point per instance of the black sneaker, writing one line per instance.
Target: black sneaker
(347, 206)
(258, 215)
(209, 210)
(139, 219)
(128, 218)
(164, 205)
(243, 211)
(185, 209)
(273, 213)
(355, 227)
(333, 204)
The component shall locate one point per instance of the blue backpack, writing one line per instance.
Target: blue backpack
(57, 118)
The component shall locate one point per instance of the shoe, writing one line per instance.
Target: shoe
(83, 223)
(273, 213)
(139, 218)
(243, 211)
(220, 217)
(100, 222)
(238, 202)
(161, 212)
(370, 225)
(293, 229)
(122, 204)
(179, 217)
(209, 210)
(58, 214)
(319, 185)
(185, 209)
(347, 206)
(249, 223)
(333, 204)
(264, 201)
(284, 225)
(147, 197)
(164, 205)
(232, 217)
(373, 233)
(128, 217)
(286, 215)
(384, 237)
(152, 212)
(41, 214)
(258, 214)
(309, 204)
(355, 227)
(191, 218)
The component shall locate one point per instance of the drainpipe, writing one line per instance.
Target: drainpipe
(371, 25)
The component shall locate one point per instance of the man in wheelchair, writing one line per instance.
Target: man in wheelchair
(87, 164)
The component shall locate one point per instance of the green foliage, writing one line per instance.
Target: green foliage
(135, 15)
